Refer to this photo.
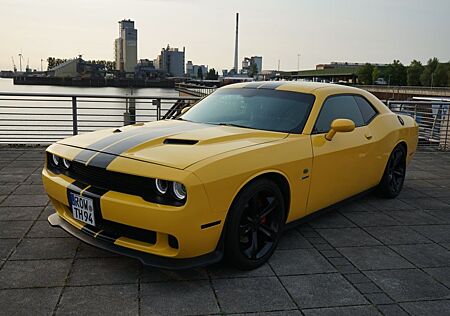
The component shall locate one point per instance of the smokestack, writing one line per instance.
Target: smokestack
(236, 45)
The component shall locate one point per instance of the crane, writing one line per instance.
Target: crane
(20, 61)
(14, 64)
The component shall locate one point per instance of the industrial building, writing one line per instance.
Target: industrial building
(250, 63)
(126, 47)
(77, 68)
(192, 71)
(171, 61)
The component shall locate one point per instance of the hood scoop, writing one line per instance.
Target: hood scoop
(174, 141)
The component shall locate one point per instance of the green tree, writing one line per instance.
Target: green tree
(365, 74)
(212, 74)
(440, 75)
(414, 72)
(428, 73)
(396, 73)
(375, 74)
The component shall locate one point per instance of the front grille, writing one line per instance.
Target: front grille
(111, 181)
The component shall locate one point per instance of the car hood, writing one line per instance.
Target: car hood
(172, 143)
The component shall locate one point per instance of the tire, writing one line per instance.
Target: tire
(255, 222)
(394, 174)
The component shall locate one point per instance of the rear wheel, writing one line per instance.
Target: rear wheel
(394, 175)
(255, 224)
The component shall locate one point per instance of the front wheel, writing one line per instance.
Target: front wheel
(255, 224)
(394, 175)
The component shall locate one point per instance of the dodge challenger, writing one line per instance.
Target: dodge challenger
(226, 176)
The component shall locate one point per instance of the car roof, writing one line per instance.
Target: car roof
(296, 86)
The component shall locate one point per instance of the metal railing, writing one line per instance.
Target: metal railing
(433, 118)
(42, 118)
(195, 90)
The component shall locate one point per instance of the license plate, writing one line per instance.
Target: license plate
(82, 208)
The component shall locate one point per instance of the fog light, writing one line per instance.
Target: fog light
(179, 190)
(161, 186)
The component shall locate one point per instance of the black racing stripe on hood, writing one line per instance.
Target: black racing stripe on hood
(103, 159)
(85, 155)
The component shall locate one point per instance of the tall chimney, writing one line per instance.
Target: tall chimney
(236, 45)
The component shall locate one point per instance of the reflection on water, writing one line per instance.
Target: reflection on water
(45, 119)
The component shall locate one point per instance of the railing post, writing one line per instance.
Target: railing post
(157, 102)
(74, 116)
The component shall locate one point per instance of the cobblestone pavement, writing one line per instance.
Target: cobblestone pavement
(367, 257)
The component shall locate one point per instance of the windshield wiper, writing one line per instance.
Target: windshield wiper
(233, 125)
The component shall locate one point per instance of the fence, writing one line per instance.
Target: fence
(195, 90)
(45, 118)
(433, 118)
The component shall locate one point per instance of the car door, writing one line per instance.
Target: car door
(339, 165)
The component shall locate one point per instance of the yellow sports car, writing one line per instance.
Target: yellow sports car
(226, 176)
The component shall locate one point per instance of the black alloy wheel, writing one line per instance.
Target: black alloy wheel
(255, 225)
(394, 174)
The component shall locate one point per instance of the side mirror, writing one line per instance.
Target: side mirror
(340, 126)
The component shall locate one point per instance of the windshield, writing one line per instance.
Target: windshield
(265, 109)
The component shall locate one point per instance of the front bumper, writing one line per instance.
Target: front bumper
(197, 241)
(146, 258)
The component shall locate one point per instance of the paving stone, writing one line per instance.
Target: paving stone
(330, 253)
(367, 288)
(223, 270)
(322, 290)
(430, 204)
(87, 251)
(27, 189)
(275, 313)
(48, 210)
(408, 284)
(339, 261)
(348, 237)
(14, 229)
(348, 269)
(6, 189)
(357, 278)
(251, 295)
(342, 311)
(442, 215)
(292, 239)
(374, 258)
(378, 298)
(440, 274)
(104, 271)
(21, 213)
(43, 229)
(397, 235)
(45, 248)
(414, 217)
(6, 246)
(323, 247)
(424, 255)
(437, 233)
(17, 170)
(29, 301)
(299, 261)
(331, 220)
(13, 178)
(427, 308)
(359, 206)
(99, 300)
(371, 219)
(445, 245)
(150, 274)
(390, 205)
(392, 310)
(25, 200)
(34, 273)
(178, 298)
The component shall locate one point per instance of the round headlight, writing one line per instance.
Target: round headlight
(55, 160)
(161, 186)
(66, 163)
(179, 190)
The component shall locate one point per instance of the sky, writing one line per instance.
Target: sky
(320, 31)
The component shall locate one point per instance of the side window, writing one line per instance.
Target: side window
(336, 107)
(367, 110)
